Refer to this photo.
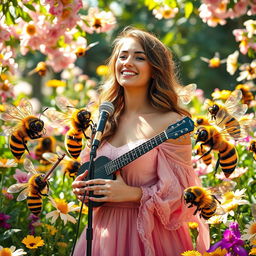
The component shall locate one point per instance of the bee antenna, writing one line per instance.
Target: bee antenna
(70, 107)
(43, 112)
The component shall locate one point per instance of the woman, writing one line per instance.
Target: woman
(144, 213)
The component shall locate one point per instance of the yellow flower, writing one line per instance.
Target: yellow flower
(62, 210)
(6, 163)
(193, 225)
(84, 210)
(32, 242)
(2, 108)
(102, 70)
(191, 253)
(217, 252)
(221, 95)
(253, 242)
(11, 251)
(55, 83)
(253, 251)
(51, 229)
(78, 87)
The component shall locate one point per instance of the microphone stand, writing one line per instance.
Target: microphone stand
(89, 230)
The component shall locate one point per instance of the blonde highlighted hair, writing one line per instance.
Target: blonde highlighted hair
(164, 84)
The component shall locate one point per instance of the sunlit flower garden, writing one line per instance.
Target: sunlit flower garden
(52, 60)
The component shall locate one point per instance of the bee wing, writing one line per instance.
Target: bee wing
(12, 113)
(51, 157)
(8, 131)
(204, 59)
(15, 188)
(63, 103)
(56, 116)
(25, 107)
(186, 93)
(91, 45)
(233, 105)
(23, 194)
(28, 165)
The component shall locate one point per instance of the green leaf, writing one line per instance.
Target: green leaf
(30, 7)
(9, 19)
(188, 9)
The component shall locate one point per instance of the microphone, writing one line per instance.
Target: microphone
(106, 109)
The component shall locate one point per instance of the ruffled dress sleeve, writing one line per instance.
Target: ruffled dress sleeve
(164, 199)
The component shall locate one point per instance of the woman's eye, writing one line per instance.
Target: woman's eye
(140, 58)
(122, 57)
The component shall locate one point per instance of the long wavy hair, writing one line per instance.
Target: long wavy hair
(163, 86)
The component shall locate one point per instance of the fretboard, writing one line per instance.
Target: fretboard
(138, 151)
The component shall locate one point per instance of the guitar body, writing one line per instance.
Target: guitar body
(99, 173)
(104, 168)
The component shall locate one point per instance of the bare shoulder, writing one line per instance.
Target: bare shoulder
(171, 118)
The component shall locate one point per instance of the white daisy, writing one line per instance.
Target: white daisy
(11, 251)
(250, 231)
(62, 210)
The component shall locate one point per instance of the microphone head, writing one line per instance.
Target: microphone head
(108, 107)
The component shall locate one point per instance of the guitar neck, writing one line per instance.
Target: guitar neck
(138, 151)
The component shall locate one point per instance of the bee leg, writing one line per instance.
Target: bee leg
(216, 199)
(85, 135)
(25, 145)
(217, 165)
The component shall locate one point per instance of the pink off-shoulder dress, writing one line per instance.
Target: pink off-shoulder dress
(158, 224)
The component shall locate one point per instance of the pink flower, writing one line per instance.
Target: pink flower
(21, 177)
(98, 21)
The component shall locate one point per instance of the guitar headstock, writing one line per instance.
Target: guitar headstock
(182, 127)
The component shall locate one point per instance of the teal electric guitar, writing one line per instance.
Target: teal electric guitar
(104, 168)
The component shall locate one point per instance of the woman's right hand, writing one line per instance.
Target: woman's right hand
(78, 186)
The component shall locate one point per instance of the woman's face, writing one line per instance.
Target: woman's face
(132, 67)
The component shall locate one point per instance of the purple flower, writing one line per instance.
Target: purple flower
(231, 241)
(34, 221)
(3, 221)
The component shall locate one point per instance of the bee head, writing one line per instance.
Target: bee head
(76, 165)
(40, 182)
(83, 116)
(189, 196)
(36, 125)
(202, 135)
(214, 109)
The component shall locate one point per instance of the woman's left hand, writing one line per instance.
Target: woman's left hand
(113, 190)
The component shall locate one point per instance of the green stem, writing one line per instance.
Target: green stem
(1, 188)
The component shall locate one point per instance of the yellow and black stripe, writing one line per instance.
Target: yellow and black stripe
(233, 128)
(34, 202)
(208, 211)
(17, 145)
(73, 142)
(228, 159)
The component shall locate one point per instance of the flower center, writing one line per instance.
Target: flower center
(97, 23)
(253, 229)
(5, 252)
(231, 207)
(62, 207)
(65, 14)
(32, 244)
(31, 29)
(229, 196)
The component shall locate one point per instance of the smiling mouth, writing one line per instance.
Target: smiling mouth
(127, 73)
